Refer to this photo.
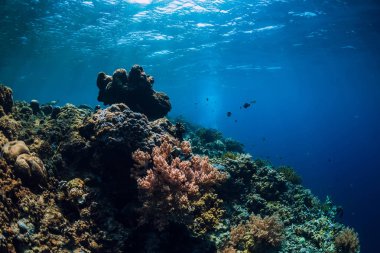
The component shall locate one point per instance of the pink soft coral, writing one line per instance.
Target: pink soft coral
(172, 185)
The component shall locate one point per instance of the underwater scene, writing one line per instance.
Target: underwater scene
(189, 126)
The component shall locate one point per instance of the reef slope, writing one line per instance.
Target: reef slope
(77, 179)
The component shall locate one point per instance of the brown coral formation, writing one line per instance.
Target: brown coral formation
(347, 241)
(257, 235)
(135, 90)
(9, 127)
(6, 100)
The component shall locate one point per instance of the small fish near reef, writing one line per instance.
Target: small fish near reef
(53, 102)
(246, 105)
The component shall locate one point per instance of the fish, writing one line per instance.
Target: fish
(246, 105)
(229, 114)
(53, 102)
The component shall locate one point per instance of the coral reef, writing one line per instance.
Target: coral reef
(124, 179)
(135, 90)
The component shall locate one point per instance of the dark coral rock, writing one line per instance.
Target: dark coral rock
(135, 90)
(179, 130)
(47, 109)
(35, 105)
(56, 110)
(120, 77)
(9, 127)
(118, 125)
(135, 74)
(26, 111)
(6, 99)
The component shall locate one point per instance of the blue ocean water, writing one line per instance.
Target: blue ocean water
(311, 67)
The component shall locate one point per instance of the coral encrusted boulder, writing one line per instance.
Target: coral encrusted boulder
(135, 90)
(117, 126)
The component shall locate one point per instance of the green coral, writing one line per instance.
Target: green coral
(230, 155)
(233, 146)
(290, 174)
(208, 214)
(208, 135)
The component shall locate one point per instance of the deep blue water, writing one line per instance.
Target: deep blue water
(313, 68)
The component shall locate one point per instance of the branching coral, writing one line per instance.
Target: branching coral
(257, 235)
(347, 241)
(173, 187)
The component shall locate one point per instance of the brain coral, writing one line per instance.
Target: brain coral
(31, 169)
(13, 149)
